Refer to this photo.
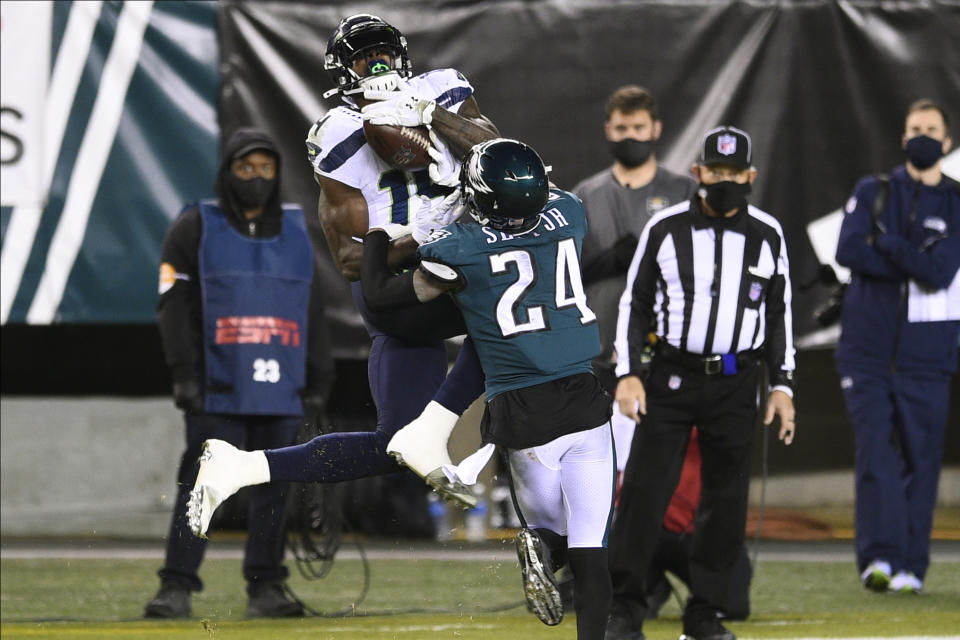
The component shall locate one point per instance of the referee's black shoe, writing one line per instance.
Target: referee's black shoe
(270, 600)
(171, 601)
(706, 629)
(621, 627)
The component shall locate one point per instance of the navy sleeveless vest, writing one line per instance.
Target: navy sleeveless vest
(256, 294)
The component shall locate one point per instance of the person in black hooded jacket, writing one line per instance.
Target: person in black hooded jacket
(243, 330)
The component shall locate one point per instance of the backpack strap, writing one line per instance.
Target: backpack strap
(880, 201)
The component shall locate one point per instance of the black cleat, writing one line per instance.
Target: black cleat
(539, 585)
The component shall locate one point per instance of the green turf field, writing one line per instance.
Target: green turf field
(458, 599)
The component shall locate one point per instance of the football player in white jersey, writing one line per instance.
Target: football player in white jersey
(367, 59)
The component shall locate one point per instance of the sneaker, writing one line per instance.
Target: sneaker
(171, 601)
(620, 628)
(539, 586)
(708, 629)
(271, 600)
(876, 576)
(906, 582)
(224, 470)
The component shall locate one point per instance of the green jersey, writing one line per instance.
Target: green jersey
(522, 296)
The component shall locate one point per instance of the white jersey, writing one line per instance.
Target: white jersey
(338, 149)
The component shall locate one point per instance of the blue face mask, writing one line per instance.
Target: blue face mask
(923, 151)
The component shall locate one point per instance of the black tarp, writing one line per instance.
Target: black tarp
(821, 86)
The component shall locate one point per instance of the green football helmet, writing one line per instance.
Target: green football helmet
(504, 185)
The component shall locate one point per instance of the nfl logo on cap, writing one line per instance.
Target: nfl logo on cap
(727, 144)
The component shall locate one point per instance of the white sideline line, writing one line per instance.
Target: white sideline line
(349, 552)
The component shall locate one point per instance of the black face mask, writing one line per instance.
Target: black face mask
(252, 193)
(724, 196)
(923, 151)
(632, 153)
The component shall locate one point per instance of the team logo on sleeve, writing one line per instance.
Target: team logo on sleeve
(851, 204)
(169, 277)
(435, 235)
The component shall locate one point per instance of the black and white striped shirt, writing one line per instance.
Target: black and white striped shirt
(709, 286)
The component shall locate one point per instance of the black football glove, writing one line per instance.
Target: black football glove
(188, 395)
(623, 250)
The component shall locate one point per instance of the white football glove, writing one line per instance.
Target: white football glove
(394, 230)
(444, 168)
(432, 215)
(399, 108)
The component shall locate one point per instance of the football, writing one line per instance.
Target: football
(403, 148)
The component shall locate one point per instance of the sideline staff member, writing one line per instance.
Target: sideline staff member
(898, 350)
(710, 279)
(249, 353)
(619, 201)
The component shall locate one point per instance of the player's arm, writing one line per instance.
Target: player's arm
(179, 309)
(383, 291)
(344, 217)
(464, 129)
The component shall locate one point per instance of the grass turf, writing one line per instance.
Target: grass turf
(423, 599)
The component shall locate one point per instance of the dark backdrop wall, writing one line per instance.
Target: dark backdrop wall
(821, 86)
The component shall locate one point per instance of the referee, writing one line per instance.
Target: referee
(707, 298)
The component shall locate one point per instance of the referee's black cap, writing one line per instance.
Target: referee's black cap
(727, 145)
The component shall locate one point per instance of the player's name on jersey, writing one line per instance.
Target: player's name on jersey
(551, 219)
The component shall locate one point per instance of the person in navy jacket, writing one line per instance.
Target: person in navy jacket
(244, 332)
(898, 348)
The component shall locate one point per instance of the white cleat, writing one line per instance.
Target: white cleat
(224, 470)
(423, 443)
(422, 446)
(539, 586)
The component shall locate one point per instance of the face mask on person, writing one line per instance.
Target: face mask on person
(924, 151)
(724, 196)
(252, 193)
(632, 153)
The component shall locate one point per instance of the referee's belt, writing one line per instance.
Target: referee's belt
(727, 364)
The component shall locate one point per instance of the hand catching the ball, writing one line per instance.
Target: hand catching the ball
(401, 108)
(444, 168)
(432, 215)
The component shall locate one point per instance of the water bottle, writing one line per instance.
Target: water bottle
(442, 528)
(476, 518)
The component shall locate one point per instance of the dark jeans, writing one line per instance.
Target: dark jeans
(263, 556)
(724, 410)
